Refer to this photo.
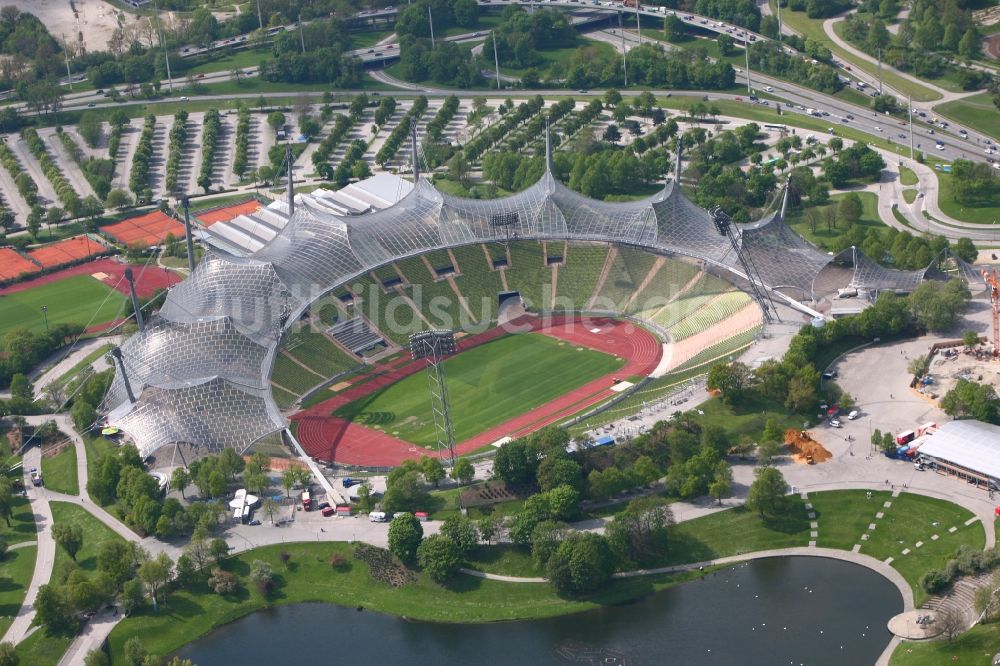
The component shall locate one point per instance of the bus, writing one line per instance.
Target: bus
(779, 128)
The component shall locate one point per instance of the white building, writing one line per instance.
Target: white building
(968, 449)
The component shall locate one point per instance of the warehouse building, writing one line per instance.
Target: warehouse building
(967, 449)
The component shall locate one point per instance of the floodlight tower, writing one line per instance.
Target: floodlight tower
(187, 232)
(723, 224)
(433, 347)
(135, 300)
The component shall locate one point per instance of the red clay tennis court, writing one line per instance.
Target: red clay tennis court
(66, 251)
(226, 213)
(13, 265)
(329, 438)
(150, 228)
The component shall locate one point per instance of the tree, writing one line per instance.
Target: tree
(95, 658)
(118, 198)
(583, 563)
(767, 492)
(69, 536)
(970, 339)
(432, 469)
(52, 610)
(850, 207)
(463, 471)
(135, 652)
(404, 492)
(611, 134)
(439, 556)
(180, 479)
(8, 655)
(263, 577)
(516, 462)
(972, 400)
(556, 470)
(722, 482)
(489, 528)
(155, 573)
(612, 97)
(938, 305)
(6, 500)
(218, 549)
(132, 596)
(276, 119)
(673, 28)
(732, 379)
(20, 387)
(950, 621)
(231, 463)
(462, 531)
(405, 535)
(639, 533)
(222, 582)
(965, 249)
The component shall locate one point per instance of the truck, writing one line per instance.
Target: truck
(927, 428)
(905, 437)
(307, 500)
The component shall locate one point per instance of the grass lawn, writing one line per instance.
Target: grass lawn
(734, 532)
(59, 471)
(189, 614)
(982, 212)
(95, 533)
(563, 56)
(822, 236)
(243, 58)
(813, 29)
(974, 111)
(745, 419)
(22, 522)
(913, 518)
(977, 646)
(41, 649)
(506, 559)
(487, 386)
(844, 515)
(16, 569)
(907, 176)
(73, 300)
(909, 196)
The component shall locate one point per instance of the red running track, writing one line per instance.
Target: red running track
(329, 438)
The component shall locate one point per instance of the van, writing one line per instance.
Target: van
(378, 517)
(853, 415)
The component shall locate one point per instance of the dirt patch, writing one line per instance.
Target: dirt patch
(804, 448)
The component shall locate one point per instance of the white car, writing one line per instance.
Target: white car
(940, 146)
(878, 129)
(853, 415)
(835, 423)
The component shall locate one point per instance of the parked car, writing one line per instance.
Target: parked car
(254, 522)
(378, 517)
(348, 482)
(328, 511)
(323, 505)
(853, 415)
(835, 423)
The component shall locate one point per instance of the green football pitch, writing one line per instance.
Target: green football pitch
(487, 385)
(73, 300)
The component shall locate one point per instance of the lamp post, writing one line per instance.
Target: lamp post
(45, 316)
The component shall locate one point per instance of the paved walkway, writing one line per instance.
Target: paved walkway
(44, 559)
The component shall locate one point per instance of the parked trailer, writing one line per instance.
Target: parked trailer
(905, 437)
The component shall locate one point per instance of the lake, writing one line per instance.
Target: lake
(788, 610)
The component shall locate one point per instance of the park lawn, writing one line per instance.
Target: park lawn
(22, 522)
(16, 569)
(822, 237)
(95, 534)
(907, 176)
(362, 40)
(242, 58)
(735, 532)
(487, 385)
(813, 29)
(913, 518)
(909, 196)
(976, 646)
(844, 515)
(982, 212)
(59, 471)
(189, 614)
(42, 649)
(561, 56)
(74, 300)
(504, 559)
(747, 418)
(974, 111)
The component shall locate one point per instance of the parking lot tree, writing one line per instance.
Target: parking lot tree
(767, 492)
(767, 451)
(118, 198)
(463, 471)
(405, 535)
(276, 119)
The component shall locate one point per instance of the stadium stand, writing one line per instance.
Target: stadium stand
(528, 274)
(718, 309)
(628, 270)
(435, 298)
(477, 283)
(355, 334)
(283, 398)
(292, 376)
(673, 276)
(721, 349)
(697, 295)
(316, 351)
(579, 273)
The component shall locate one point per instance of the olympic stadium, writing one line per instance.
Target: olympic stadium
(199, 372)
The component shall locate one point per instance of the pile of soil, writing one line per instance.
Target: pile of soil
(802, 447)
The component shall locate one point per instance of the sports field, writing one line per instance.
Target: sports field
(73, 300)
(488, 385)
